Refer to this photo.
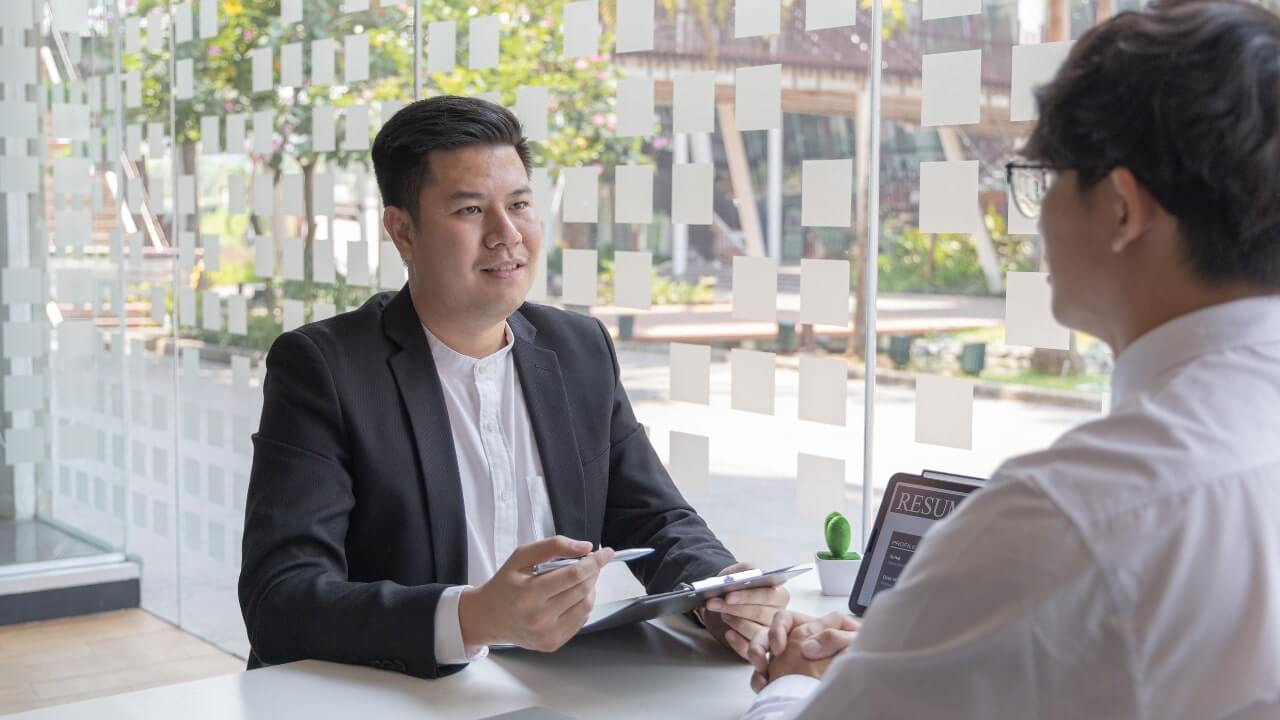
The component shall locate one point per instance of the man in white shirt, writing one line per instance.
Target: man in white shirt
(1132, 570)
(419, 455)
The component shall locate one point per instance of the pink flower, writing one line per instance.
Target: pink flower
(597, 119)
(215, 51)
(580, 64)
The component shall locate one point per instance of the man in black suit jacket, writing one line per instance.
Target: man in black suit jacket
(356, 531)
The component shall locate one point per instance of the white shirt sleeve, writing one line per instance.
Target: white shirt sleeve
(980, 625)
(781, 698)
(449, 646)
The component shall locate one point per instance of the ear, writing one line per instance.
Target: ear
(1135, 208)
(399, 226)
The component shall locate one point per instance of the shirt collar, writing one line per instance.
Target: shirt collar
(452, 362)
(1240, 323)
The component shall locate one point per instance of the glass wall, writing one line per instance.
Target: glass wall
(183, 181)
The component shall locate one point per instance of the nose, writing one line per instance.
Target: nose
(501, 231)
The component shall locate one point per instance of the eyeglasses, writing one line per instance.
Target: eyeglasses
(1028, 183)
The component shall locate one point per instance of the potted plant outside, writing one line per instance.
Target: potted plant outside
(837, 567)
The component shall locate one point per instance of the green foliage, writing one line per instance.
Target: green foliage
(665, 290)
(912, 261)
(839, 535)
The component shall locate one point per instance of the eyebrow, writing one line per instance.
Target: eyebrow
(472, 195)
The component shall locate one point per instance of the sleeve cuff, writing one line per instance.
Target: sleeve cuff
(796, 687)
(449, 648)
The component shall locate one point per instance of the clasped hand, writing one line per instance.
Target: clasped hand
(797, 644)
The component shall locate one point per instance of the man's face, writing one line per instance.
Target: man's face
(477, 236)
(1078, 227)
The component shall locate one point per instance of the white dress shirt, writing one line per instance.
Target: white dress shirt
(503, 490)
(1130, 571)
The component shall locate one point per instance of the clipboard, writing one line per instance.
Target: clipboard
(683, 600)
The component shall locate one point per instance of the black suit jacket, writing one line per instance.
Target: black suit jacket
(354, 522)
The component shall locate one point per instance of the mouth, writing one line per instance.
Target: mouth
(504, 270)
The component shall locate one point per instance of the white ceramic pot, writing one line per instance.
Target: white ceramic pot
(837, 576)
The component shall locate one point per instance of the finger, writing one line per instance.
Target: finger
(762, 614)
(565, 578)
(758, 653)
(557, 546)
(840, 621)
(747, 628)
(826, 644)
(776, 596)
(571, 596)
(736, 567)
(758, 681)
(737, 643)
(780, 628)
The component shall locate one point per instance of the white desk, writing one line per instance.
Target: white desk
(667, 669)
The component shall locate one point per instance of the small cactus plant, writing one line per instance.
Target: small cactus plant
(839, 535)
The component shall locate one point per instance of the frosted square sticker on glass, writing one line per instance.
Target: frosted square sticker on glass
(635, 107)
(322, 264)
(323, 53)
(579, 270)
(826, 14)
(355, 65)
(186, 194)
(264, 256)
(952, 88)
(182, 22)
(291, 314)
(322, 129)
(238, 318)
(581, 194)
(322, 194)
(391, 269)
(263, 132)
(944, 411)
(633, 279)
(322, 311)
(691, 373)
(208, 19)
(261, 59)
(291, 194)
(690, 462)
(1028, 313)
(694, 108)
(212, 246)
(263, 200)
(291, 259)
(826, 193)
(531, 108)
(212, 319)
(1033, 66)
(158, 309)
(484, 42)
(236, 126)
(357, 128)
(938, 9)
(133, 35)
(581, 29)
(133, 86)
(634, 25)
(350, 6)
(291, 65)
(691, 193)
(210, 132)
(358, 264)
(949, 197)
(824, 385)
(633, 198)
(755, 288)
(819, 485)
(236, 193)
(824, 292)
(758, 97)
(183, 85)
(753, 375)
(187, 307)
(753, 18)
(442, 46)
(290, 11)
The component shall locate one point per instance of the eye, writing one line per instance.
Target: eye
(522, 205)
(470, 210)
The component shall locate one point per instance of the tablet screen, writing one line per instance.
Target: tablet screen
(911, 506)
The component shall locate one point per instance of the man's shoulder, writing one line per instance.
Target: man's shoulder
(358, 328)
(555, 327)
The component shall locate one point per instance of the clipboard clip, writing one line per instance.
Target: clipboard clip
(723, 579)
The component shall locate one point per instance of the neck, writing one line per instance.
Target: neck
(477, 340)
(1172, 301)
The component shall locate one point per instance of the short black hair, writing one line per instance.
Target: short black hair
(1186, 95)
(402, 149)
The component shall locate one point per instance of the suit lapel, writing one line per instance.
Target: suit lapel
(419, 383)
(544, 395)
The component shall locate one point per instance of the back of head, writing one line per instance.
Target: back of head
(1186, 95)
